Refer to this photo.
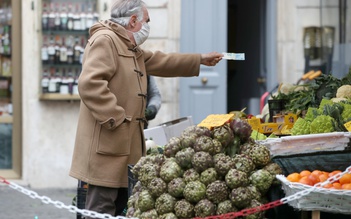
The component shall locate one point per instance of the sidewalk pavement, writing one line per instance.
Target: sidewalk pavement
(16, 205)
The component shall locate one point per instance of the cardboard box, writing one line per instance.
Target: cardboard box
(157, 134)
(175, 128)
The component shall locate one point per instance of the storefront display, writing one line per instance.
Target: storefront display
(5, 86)
(65, 26)
(10, 82)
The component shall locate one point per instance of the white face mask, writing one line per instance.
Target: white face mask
(141, 36)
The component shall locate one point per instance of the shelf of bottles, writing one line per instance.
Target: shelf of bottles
(65, 26)
(5, 62)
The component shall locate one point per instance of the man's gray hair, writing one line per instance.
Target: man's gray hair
(122, 10)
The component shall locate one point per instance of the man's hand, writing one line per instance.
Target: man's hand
(211, 59)
(150, 112)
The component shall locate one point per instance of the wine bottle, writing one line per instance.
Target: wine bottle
(64, 17)
(57, 18)
(77, 51)
(70, 18)
(44, 52)
(63, 52)
(45, 18)
(45, 81)
(51, 51)
(51, 23)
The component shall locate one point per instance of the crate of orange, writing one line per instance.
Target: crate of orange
(331, 191)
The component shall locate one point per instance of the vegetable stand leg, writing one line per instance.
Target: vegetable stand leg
(315, 214)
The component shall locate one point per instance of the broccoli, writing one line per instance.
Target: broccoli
(312, 113)
(257, 135)
(322, 124)
(346, 113)
(301, 127)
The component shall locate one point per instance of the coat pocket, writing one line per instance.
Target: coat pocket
(114, 142)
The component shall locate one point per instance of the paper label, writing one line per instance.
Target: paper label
(233, 56)
(348, 126)
(215, 120)
(255, 123)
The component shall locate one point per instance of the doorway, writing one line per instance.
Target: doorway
(246, 80)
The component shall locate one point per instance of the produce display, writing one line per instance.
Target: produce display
(313, 177)
(204, 172)
(322, 105)
(328, 117)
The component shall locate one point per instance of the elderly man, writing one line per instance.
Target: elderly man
(112, 87)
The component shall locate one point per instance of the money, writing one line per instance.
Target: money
(233, 56)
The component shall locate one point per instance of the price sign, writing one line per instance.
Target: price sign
(215, 120)
(348, 126)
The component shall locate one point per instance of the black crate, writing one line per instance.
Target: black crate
(276, 107)
(81, 195)
(131, 180)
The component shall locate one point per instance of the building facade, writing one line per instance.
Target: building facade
(43, 129)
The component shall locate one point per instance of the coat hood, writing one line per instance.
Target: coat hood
(110, 25)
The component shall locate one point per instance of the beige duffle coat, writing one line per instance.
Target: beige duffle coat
(112, 87)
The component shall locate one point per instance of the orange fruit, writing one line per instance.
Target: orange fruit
(313, 178)
(346, 186)
(316, 172)
(305, 180)
(293, 177)
(336, 185)
(333, 173)
(346, 178)
(327, 186)
(305, 173)
(323, 177)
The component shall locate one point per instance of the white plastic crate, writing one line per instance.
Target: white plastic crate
(288, 145)
(320, 199)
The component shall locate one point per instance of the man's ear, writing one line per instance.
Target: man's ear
(132, 21)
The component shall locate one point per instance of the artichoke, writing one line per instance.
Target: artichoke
(241, 197)
(223, 134)
(165, 204)
(241, 128)
(217, 191)
(194, 191)
(150, 214)
(168, 216)
(260, 155)
(236, 178)
(184, 157)
(191, 175)
(145, 201)
(205, 208)
(225, 207)
(208, 176)
(243, 163)
(157, 187)
(184, 209)
(262, 180)
(201, 161)
(170, 170)
(175, 187)
(223, 163)
(204, 143)
(172, 147)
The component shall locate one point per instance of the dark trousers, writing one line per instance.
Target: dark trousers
(106, 200)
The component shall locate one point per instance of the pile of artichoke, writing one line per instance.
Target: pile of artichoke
(203, 173)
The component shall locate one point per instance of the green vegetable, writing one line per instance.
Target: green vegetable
(346, 113)
(311, 94)
(301, 127)
(258, 135)
(312, 113)
(322, 124)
